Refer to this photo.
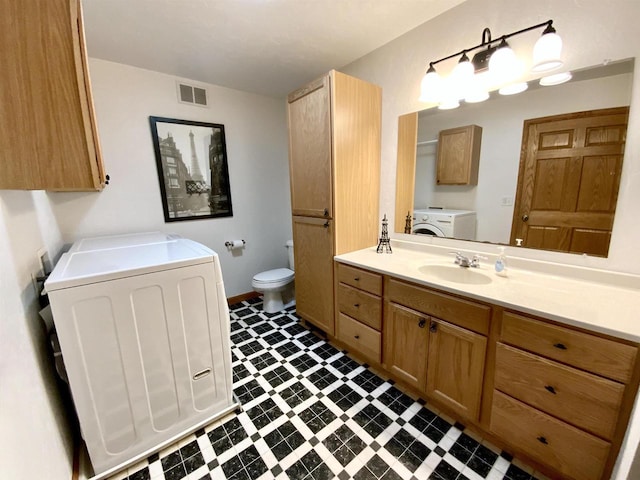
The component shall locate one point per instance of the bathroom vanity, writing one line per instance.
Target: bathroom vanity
(543, 365)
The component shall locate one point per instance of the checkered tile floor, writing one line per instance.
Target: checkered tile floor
(311, 412)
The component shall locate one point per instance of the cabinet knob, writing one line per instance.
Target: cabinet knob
(326, 224)
(326, 212)
(550, 389)
(357, 305)
(433, 328)
(422, 323)
(356, 279)
(356, 337)
(543, 440)
(560, 346)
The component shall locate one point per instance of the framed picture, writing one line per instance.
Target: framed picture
(192, 169)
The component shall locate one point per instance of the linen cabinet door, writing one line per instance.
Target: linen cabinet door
(455, 367)
(406, 340)
(309, 114)
(313, 258)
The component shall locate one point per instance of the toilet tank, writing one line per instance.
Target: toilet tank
(289, 245)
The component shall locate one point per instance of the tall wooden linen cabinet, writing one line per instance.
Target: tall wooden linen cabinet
(334, 166)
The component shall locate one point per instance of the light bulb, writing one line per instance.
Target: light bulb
(431, 87)
(503, 64)
(546, 52)
(461, 77)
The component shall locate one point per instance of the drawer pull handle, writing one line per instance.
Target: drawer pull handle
(422, 323)
(357, 305)
(433, 328)
(543, 440)
(550, 389)
(560, 346)
(356, 279)
(202, 374)
(356, 337)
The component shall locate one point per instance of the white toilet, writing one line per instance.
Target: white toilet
(276, 285)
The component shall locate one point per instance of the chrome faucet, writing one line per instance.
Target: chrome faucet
(466, 262)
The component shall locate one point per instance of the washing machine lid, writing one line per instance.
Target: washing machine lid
(101, 259)
(276, 275)
(441, 212)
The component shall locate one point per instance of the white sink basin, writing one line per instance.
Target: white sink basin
(456, 274)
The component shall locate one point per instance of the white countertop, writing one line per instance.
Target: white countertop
(597, 300)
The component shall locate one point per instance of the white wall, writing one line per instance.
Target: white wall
(592, 31)
(256, 138)
(35, 440)
(399, 66)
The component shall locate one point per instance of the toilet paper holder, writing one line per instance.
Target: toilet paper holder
(234, 244)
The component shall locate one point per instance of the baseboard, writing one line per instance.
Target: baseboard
(242, 297)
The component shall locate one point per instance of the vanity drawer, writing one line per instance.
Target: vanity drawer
(362, 279)
(584, 400)
(463, 313)
(362, 338)
(548, 440)
(582, 350)
(360, 305)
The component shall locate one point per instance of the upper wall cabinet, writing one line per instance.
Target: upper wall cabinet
(48, 133)
(459, 155)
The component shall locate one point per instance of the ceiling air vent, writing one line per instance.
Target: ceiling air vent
(192, 95)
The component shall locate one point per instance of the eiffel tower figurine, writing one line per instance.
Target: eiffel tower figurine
(385, 243)
(407, 223)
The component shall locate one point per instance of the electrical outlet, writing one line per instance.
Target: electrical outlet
(43, 261)
(507, 201)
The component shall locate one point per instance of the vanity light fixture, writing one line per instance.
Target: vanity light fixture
(496, 56)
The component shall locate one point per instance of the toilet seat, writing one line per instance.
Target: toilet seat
(275, 278)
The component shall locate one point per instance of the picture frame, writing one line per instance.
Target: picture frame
(193, 171)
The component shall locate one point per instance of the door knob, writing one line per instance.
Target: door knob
(525, 217)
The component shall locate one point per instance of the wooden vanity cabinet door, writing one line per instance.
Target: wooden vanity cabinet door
(455, 369)
(406, 340)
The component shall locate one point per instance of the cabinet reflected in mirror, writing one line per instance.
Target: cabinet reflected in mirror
(569, 171)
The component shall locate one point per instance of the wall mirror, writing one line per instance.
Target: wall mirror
(562, 144)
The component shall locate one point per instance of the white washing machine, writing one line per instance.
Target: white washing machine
(439, 222)
(143, 325)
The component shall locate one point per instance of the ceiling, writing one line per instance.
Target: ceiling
(269, 47)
